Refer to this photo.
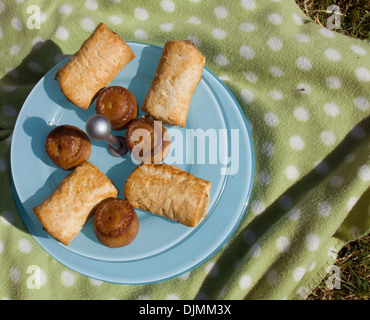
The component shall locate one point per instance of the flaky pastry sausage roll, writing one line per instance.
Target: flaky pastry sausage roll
(101, 57)
(70, 205)
(178, 74)
(169, 192)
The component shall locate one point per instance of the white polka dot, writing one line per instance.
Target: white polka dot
(221, 60)
(9, 111)
(247, 27)
(14, 275)
(67, 278)
(245, 282)
(247, 95)
(248, 4)
(65, 9)
(62, 33)
(285, 202)
(323, 208)
(332, 54)
(115, 19)
(276, 95)
(7, 218)
(271, 119)
(17, 24)
(312, 242)
(304, 88)
(357, 49)
(24, 245)
(1, 247)
(303, 63)
(35, 67)
(349, 157)
(363, 74)
(272, 277)
(283, 244)
(297, 19)
(358, 132)
(211, 269)
(141, 14)
(257, 207)
(140, 34)
(336, 181)
(276, 71)
(351, 203)
(268, 148)
(14, 50)
(224, 77)
(220, 12)
(166, 27)
(88, 24)
(298, 273)
(185, 276)
(2, 165)
(292, 172)
(1, 33)
(297, 143)
(96, 282)
(194, 20)
(275, 18)
(331, 109)
(91, 4)
(264, 178)
(168, 5)
(364, 172)
(361, 103)
(37, 42)
(333, 83)
(327, 137)
(172, 296)
(327, 33)
(301, 37)
(2, 7)
(246, 52)
(275, 43)
(255, 251)
(219, 33)
(294, 214)
(322, 167)
(251, 76)
(249, 236)
(195, 40)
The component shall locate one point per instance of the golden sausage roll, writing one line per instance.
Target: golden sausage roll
(178, 74)
(101, 57)
(169, 192)
(70, 205)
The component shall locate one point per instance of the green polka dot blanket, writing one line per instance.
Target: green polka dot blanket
(305, 93)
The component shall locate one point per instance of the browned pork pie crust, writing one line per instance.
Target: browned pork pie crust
(115, 223)
(67, 146)
(101, 57)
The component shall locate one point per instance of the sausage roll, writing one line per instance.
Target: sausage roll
(169, 192)
(178, 73)
(101, 57)
(70, 205)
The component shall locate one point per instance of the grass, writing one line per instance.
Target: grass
(354, 262)
(353, 259)
(355, 15)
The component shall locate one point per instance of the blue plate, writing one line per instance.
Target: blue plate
(216, 145)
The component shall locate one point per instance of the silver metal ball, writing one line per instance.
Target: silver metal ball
(98, 127)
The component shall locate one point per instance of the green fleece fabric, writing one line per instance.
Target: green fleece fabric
(305, 92)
